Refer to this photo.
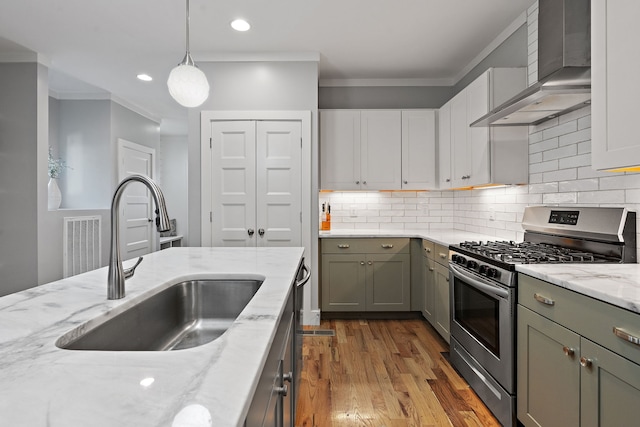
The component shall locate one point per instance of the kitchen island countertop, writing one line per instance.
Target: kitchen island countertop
(43, 385)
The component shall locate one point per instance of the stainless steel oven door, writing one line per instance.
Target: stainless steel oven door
(483, 322)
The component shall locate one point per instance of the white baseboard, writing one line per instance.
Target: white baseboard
(311, 318)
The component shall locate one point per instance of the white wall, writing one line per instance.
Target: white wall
(173, 179)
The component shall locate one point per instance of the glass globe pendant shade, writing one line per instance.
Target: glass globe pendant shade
(188, 85)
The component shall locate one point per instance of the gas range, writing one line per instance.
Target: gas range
(483, 288)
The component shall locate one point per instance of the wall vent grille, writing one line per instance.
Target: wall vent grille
(82, 244)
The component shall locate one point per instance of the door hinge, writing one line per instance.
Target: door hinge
(210, 216)
(210, 143)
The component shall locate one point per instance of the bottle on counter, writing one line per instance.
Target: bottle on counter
(328, 216)
(324, 225)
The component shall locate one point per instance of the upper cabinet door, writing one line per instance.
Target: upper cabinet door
(444, 146)
(340, 149)
(615, 85)
(460, 156)
(380, 149)
(478, 137)
(418, 149)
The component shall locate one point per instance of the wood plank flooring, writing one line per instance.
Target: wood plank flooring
(383, 373)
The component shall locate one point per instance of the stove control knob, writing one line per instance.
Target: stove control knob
(472, 265)
(492, 272)
(484, 269)
(461, 260)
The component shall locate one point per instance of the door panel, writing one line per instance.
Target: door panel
(388, 282)
(278, 184)
(137, 235)
(233, 177)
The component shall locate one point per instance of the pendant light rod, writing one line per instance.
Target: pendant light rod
(188, 60)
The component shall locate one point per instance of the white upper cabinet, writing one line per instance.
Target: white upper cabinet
(340, 149)
(377, 149)
(615, 86)
(380, 145)
(479, 156)
(418, 149)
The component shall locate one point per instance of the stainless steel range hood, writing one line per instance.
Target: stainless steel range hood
(564, 68)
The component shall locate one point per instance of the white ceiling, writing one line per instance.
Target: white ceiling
(105, 44)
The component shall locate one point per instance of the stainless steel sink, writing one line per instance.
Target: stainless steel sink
(185, 315)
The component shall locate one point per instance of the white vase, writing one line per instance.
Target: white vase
(55, 196)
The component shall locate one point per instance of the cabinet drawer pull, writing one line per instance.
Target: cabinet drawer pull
(343, 246)
(428, 250)
(441, 255)
(370, 263)
(283, 391)
(361, 262)
(544, 300)
(568, 351)
(431, 268)
(585, 363)
(386, 246)
(626, 336)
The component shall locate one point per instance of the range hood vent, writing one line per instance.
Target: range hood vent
(564, 68)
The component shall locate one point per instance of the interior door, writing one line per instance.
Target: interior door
(233, 183)
(279, 183)
(136, 208)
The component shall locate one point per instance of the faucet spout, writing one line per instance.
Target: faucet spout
(115, 285)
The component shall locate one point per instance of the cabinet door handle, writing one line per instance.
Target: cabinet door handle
(364, 182)
(626, 336)
(543, 300)
(441, 255)
(431, 268)
(261, 231)
(282, 390)
(585, 363)
(370, 263)
(288, 377)
(250, 232)
(428, 250)
(361, 262)
(406, 182)
(357, 182)
(568, 351)
(447, 180)
(343, 246)
(386, 246)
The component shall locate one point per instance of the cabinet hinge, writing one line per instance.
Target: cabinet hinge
(210, 216)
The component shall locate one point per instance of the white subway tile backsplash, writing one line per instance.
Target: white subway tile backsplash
(560, 175)
(604, 196)
(578, 185)
(558, 153)
(561, 129)
(551, 165)
(543, 145)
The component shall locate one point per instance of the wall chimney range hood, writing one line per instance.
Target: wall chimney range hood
(564, 68)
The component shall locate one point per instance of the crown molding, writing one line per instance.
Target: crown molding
(384, 82)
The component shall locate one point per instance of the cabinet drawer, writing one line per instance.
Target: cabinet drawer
(367, 246)
(428, 248)
(584, 315)
(441, 255)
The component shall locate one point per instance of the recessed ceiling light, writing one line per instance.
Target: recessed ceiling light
(144, 77)
(240, 25)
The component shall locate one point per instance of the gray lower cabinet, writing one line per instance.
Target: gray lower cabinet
(272, 404)
(436, 306)
(365, 275)
(573, 369)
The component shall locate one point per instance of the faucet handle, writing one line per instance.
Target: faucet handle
(128, 272)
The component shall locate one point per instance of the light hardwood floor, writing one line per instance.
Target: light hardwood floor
(383, 373)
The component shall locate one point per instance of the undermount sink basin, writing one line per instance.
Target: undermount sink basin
(185, 315)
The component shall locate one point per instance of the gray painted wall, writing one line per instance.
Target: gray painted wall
(250, 86)
(173, 179)
(18, 176)
(383, 97)
(83, 142)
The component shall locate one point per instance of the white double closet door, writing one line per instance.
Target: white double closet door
(256, 188)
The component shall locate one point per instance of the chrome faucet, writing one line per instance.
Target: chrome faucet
(117, 275)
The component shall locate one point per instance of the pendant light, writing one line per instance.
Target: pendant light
(187, 83)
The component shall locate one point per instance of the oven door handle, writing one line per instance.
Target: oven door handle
(478, 284)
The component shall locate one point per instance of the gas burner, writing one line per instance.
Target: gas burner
(530, 253)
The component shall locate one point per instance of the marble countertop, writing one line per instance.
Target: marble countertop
(43, 385)
(617, 284)
(444, 237)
